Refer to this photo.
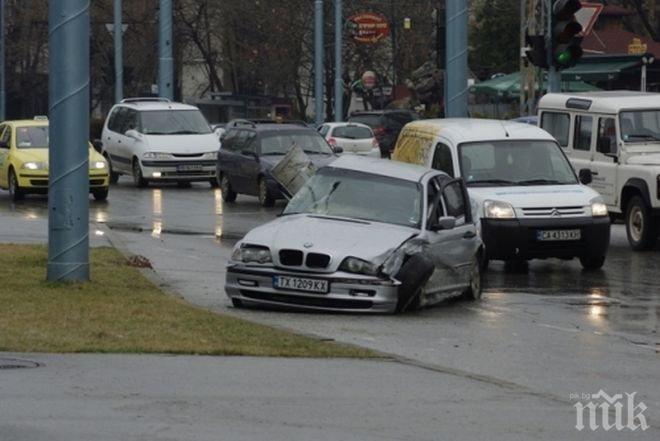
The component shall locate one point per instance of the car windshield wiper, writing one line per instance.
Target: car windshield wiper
(491, 181)
(541, 182)
(642, 136)
(316, 152)
(273, 154)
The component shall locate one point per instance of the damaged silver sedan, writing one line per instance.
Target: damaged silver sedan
(362, 235)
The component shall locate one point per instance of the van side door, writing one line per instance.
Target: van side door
(605, 163)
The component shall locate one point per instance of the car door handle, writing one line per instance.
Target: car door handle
(469, 235)
(593, 172)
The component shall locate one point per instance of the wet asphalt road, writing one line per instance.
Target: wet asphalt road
(549, 331)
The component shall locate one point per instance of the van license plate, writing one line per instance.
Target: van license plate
(300, 284)
(558, 235)
(189, 167)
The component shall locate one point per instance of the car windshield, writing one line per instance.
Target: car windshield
(358, 195)
(368, 120)
(506, 162)
(278, 143)
(32, 137)
(173, 122)
(640, 125)
(352, 132)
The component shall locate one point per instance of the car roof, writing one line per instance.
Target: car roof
(27, 122)
(148, 104)
(274, 127)
(461, 130)
(383, 167)
(603, 102)
(332, 125)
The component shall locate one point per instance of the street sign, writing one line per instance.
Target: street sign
(588, 15)
(368, 27)
(369, 80)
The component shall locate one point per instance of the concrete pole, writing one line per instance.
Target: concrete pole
(456, 87)
(318, 62)
(339, 68)
(165, 60)
(68, 200)
(119, 53)
(3, 93)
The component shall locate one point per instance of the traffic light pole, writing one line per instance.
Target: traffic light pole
(554, 78)
(339, 69)
(68, 193)
(318, 62)
(165, 60)
(119, 56)
(456, 87)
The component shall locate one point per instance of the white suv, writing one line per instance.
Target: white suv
(154, 139)
(613, 140)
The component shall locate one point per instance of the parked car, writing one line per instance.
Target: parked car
(154, 139)
(351, 137)
(24, 161)
(613, 138)
(363, 234)
(250, 151)
(386, 125)
(526, 198)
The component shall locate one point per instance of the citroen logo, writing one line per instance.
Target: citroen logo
(308, 245)
(555, 213)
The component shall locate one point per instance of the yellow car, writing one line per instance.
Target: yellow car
(24, 160)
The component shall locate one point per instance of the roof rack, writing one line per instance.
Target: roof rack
(146, 99)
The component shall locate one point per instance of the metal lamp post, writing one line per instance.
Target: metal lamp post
(456, 87)
(165, 60)
(318, 62)
(119, 53)
(339, 83)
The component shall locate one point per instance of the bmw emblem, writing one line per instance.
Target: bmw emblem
(308, 245)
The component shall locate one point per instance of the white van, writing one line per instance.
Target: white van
(615, 138)
(526, 198)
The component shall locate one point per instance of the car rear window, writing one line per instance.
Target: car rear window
(369, 120)
(352, 132)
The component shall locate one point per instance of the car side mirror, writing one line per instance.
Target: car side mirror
(98, 145)
(132, 134)
(337, 150)
(586, 177)
(444, 223)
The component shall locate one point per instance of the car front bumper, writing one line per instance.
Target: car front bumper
(514, 239)
(38, 182)
(347, 292)
(178, 170)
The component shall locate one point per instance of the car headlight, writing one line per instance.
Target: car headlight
(97, 165)
(598, 209)
(157, 155)
(210, 155)
(252, 254)
(33, 166)
(498, 210)
(358, 266)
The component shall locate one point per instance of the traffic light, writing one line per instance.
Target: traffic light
(566, 44)
(536, 52)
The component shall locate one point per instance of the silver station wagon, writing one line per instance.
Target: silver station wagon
(362, 235)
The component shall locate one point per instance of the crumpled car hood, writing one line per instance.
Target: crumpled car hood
(338, 238)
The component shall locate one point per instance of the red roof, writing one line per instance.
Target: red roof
(615, 41)
(615, 11)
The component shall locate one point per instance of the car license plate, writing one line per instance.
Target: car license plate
(189, 167)
(300, 284)
(558, 235)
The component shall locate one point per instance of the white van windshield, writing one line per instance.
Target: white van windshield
(640, 125)
(509, 163)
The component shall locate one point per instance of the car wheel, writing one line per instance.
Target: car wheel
(237, 303)
(639, 225)
(100, 194)
(138, 179)
(265, 198)
(228, 195)
(592, 263)
(413, 275)
(114, 177)
(15, 191)
(474, 291)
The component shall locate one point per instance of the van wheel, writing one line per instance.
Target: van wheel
(265, 198)
(592, 263)
(114, 177)
(474, 290)
(640, 227)
(138, 179)
(413, 275)
(15, 191)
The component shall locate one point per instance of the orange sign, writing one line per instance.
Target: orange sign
(368, 27)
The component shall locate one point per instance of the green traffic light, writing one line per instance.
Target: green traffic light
(564, 57)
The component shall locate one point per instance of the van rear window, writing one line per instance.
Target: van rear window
(558, 125)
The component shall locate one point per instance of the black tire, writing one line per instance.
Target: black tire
(640, 228)
(592, 263)
(265, 198)
(474, 290)
(413, 275)
(114, 177)
(237, 303)
(100, 194)
(15, 191)
(228, 194)
(138, 179)
(213, 182)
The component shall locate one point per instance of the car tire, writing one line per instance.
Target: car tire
(237, 303)
(228, 194)
(114, 177)
(640, 228)
(413, 275)
(474, 290)
(265, 198)
(592, 263)
(100, 194)
(15, 191)
(138, 178)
